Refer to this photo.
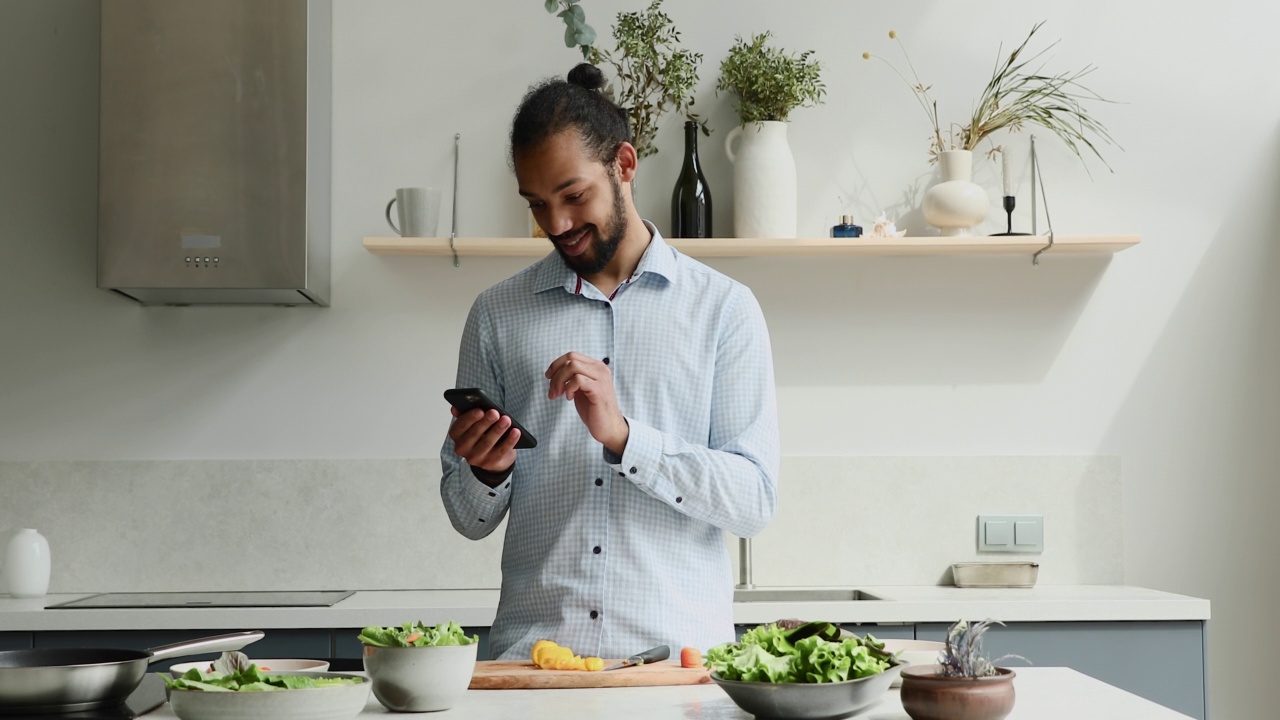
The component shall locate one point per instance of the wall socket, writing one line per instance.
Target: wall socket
(1011, 533)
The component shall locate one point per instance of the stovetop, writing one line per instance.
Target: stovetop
(149, 696)
(286, 598)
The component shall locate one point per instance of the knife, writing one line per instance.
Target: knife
(662, 652)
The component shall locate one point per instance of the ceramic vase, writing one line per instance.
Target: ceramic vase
(764, 181)
(26, 564)
(928, 695)
(956, 204)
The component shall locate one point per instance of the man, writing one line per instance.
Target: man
(647, 379)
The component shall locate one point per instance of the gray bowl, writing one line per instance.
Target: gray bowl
(335, 702)
(809, 701)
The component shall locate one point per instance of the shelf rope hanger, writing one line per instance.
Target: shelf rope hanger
(1035, 174)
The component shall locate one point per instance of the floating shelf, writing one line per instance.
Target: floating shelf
(792, 247)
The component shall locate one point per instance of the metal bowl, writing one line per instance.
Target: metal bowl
(809, 701)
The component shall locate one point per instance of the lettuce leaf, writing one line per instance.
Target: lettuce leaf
(417, 635)
(815, 653)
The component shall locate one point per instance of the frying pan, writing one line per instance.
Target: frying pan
(50, 680)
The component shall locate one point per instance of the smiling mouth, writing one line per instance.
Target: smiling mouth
(574, 244)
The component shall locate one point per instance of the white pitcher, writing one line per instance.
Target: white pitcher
(26, 564)
(764, 181)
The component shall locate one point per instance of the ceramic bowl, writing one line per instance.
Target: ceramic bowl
(336, 702)
(420, 679)
(809, 701)
(914, 652)
(274, 666)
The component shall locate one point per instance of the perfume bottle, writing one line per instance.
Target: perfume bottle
(846, 228)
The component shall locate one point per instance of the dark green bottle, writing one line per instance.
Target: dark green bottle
(691, 199)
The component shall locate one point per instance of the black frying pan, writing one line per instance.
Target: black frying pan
(54, 680)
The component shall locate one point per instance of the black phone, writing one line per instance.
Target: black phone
(471, 398)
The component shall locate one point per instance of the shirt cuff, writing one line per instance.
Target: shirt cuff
(640, 459)
(482, 494)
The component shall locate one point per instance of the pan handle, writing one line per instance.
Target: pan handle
(217, 643)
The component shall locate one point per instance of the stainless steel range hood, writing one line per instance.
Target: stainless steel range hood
(214, 151)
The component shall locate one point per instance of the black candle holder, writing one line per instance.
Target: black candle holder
(1009, 204)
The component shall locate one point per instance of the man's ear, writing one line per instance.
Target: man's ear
(625, 161)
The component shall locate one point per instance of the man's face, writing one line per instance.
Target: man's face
(576, 200)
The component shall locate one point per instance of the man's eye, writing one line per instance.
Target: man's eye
(535, 206)
(575, 197)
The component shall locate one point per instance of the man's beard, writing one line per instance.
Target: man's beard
(603, 248)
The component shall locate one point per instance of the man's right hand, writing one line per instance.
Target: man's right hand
(477, 438)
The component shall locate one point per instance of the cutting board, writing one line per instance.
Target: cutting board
(506, 675)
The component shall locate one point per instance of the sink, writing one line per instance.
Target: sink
(800, 595)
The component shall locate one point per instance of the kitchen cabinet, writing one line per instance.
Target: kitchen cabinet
(15, 641)
(790, 247)
(1161, 661)
(277, 643)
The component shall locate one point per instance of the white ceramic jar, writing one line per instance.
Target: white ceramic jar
(27, 564)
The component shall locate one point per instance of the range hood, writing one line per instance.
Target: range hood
(214, 151)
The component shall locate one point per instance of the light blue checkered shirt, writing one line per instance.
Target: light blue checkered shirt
(606, 555)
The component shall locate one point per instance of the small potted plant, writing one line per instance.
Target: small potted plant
(769, 84)
(965, 685)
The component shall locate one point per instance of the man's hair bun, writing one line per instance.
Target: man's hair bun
(587, 75)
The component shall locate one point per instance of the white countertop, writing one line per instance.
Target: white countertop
(1042, 694)
(475, 608)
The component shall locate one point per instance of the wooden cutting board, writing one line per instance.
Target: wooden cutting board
(505, 675)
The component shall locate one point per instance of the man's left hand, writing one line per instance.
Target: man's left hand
(589, 384)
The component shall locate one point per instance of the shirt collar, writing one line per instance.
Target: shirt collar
(659, 258)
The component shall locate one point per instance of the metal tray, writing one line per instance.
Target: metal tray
(995, 574)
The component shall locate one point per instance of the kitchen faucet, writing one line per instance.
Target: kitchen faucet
(744, 564)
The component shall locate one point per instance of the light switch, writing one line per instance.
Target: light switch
(1011, 533)
(1028, 533)
(999, 532)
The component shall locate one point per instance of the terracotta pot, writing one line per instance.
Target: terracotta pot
(927, 695)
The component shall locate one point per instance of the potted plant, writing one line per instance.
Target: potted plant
(652, 73)
(965, 685)
(1019, 94)
(769, 84)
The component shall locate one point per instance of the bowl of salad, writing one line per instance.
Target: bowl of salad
(247, 693)
(270, 666)
(812, 672)
(419, 668)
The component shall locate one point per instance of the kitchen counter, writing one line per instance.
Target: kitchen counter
(475, 608)
(1043, 694)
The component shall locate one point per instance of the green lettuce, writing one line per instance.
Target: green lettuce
(250, 679)
(812, 653)
(417, 635)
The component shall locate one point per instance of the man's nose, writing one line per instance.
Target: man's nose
(560, 221)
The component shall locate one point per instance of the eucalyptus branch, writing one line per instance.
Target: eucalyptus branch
(576, 30)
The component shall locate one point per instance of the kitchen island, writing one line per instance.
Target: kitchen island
(1043, 694)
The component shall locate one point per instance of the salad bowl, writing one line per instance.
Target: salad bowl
(809, 701)
(335, 702)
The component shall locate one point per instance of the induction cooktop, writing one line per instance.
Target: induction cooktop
(284, 598)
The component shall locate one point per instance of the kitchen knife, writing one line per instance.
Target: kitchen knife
(662, 652)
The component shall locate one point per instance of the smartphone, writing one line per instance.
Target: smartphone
(471, 398)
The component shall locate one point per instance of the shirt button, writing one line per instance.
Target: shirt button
(606, 361)
(679, 499)
(599, 482)
(622, 474)
(633, 470)
(596, 549)
(594, 614)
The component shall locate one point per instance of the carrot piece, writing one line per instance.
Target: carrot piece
(690, 657)
(412, 637)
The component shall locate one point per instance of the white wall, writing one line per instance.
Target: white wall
(1163, 355)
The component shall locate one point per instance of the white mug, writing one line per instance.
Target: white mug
(419, 211)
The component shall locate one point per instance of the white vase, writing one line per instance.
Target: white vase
(956, 204)
(26, 564)
(764, 181)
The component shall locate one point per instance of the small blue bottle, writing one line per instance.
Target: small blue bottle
(846, 228)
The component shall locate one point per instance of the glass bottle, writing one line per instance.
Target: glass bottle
(846, 228)
(691, 199)
(26, 564)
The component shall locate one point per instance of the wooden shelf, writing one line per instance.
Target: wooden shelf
(755, 247)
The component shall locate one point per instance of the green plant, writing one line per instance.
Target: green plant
(769, 82)
(962, 656)
(653, 73)
(576, 30)
(1015, 96)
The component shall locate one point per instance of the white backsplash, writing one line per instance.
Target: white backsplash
(378, 524)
